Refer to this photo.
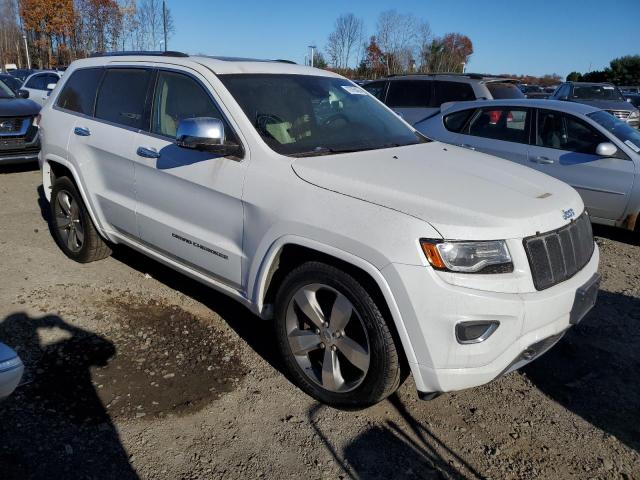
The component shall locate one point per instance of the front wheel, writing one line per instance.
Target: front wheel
(335, 342)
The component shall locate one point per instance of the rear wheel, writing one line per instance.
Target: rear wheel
(71, 225)
(335, 343)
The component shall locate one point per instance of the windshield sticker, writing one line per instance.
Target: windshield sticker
(632, 146)
(353, 90)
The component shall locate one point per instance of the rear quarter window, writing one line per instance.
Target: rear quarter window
(452, 92)
(455, 122)
(79, 92)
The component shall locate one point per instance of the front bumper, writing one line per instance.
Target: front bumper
(19, 150)
(430, 309)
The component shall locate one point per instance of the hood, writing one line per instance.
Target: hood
(608, 104)
(461, 193)
(18, 107)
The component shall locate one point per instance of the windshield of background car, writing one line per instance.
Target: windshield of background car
(5, 91)
(303, 115)
(596, 92)
(628, 135)
(500, 90)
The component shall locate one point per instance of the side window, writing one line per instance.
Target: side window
(455, 121)
(176, 97)
(409, 93)
(122, 96)
(50, 78)
(79, 92)
(565, 132)
(376, 89)
(36, 82)
(452, 92)
(507, 124)
(563, 91)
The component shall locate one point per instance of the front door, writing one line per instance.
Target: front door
(565, 148)
(189, 204)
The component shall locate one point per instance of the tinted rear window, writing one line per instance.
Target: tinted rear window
(409, 93)
(500, 90)
(122, 96)
(79, 93)
(376, 89)
(452, 92)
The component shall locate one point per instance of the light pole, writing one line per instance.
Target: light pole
(26, 49)
(313, 48)
(464, 64)
(164, 23)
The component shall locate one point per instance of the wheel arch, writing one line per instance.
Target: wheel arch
(290, 251)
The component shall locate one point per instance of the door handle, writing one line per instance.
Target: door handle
(82, 131)
(542, 160)
(466, 145)
(148, 152)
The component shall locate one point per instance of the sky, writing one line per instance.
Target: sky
(517, 37)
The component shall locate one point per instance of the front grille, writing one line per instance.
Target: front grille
(621, 114)
(12, 126)
(558, 255)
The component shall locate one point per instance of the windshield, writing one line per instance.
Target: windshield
(626, 134)
(5, 91)
(500, 90)
(596, 92)
(301, 115)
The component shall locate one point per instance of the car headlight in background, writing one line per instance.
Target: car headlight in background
(468, 257)
(635, 114)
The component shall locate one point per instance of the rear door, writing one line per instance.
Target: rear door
(411, 99)
(103, 145)
(565, 148)
(189, 203)
(499, 131)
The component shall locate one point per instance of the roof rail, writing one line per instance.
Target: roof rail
(151, 53)
(477, 76)
(282, 60)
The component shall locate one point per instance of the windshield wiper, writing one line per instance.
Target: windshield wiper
(329, 150)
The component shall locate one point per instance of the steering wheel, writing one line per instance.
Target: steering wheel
(335, 118)
(264, 119)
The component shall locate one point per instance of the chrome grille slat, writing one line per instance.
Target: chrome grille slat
(558, 255)
(621, 114)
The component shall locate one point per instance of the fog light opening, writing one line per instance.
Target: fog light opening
(475, 331)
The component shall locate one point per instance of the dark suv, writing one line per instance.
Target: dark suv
(605, 96)
(19, 140)
(418, 97)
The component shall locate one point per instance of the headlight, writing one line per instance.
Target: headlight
(635, 114)
(468, 257)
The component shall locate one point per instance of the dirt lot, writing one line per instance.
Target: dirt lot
(136, 371)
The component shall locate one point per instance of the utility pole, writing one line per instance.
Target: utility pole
(26, 49)
(164, 23)
(313, 48)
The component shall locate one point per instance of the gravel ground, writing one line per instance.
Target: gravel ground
(134, 371)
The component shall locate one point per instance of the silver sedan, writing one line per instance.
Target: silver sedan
(588, 148)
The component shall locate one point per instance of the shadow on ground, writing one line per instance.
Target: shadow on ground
(54, 425)
(616, 234)
(19, 168)
(391, 450)
(594, 370)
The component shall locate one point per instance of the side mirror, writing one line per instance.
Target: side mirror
(51, 86)
(205, 133)
(606, 149)
(23, 93)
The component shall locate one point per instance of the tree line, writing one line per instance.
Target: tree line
(60, 31)
(621, 71)
(401, 43)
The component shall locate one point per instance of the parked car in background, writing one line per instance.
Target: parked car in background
(628, 89)
(593, 151)
(533, 91)
(633, 98)
(11, 369)
(603, 96)
(39, 85)
(298, 194)
(18, 135)
(10, 81)
(22, 73)
(416, 97)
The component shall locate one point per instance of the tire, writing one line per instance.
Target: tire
(349, 386)
(72, 227)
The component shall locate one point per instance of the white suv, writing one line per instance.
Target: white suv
(375, 251)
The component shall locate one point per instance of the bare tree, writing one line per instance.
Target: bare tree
(345, 40)
(10, 35)
(150, 18)
(397, 35)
